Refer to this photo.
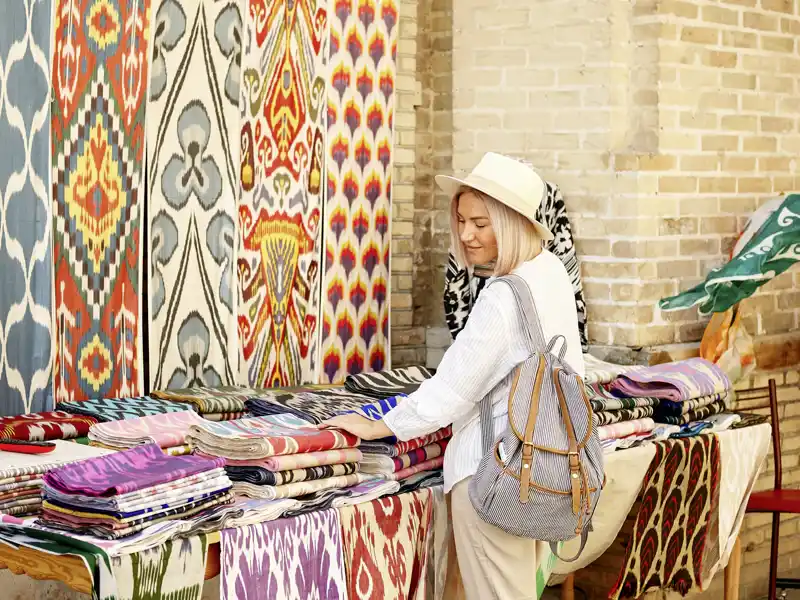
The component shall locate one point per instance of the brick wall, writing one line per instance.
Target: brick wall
(665, 123)
(404, 338)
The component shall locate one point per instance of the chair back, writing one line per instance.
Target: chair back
(765, 398)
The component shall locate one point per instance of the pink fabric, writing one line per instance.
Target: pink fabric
(625, 428)
(166, 430)
(428, 465)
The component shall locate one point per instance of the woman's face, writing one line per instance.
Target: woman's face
(475, 230)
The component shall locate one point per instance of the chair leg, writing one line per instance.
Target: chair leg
(568, 588)
(773, 555)
(733, 571)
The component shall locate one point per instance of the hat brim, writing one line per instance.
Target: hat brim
(450, 186)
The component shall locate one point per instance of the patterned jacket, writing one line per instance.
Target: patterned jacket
(461, 289)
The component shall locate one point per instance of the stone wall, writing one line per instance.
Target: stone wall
(665, 123)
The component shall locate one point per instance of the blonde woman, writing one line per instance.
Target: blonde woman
(492, 223)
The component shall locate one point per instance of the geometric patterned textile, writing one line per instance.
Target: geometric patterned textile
(359, 153)
(99, 78)
(26, 262)
(192, 160)
(281, 175)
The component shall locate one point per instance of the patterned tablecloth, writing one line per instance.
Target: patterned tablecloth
(626, 471)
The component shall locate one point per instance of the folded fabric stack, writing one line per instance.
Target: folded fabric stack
(121, 409)
(44, 426)
(609, 408)
(313, 403)
(395, 460)
(688, 390)
(280, 456)
(21, 475)
(214, 404)
(167, 430)
(385, 384)
(123, 493)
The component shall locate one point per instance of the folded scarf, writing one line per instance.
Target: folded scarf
(290, 462)
(365, 491)
(624, 414)
(695, 415)
(602, 399)
(749, 420)
(120, 409)
(600, 371)
(260, 476)
(112, 474)
(167, 430)
(314, 406)
(676, 409)
(385, 384)
(207, 400)
(428, 465)
(53, 425)
(387, 465)
(294, 490)
(424, 479)
(398, 448)
(626, 428)
(262, 437)
(677, 381)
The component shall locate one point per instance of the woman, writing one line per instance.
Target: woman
(492, 222)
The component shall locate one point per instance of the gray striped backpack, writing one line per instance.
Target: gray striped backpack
(540, 478)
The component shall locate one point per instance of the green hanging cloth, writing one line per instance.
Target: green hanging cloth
(773, 249)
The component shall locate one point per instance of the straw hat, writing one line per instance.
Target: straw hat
(506, 180)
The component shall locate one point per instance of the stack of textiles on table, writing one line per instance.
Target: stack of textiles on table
(123, 493)
(214, 404)
(45, 426)
(396, 460)
(386, 384)
(168, 431)
(311, 403)
(21, 475)
(280, 456)
(105, 410)
(661, 401)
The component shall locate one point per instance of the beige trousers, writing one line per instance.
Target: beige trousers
(494, 565)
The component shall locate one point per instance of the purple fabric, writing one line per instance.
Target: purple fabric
(678, 381)
(123, 472)
(289, 558)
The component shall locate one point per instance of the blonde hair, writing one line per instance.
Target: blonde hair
(517, 240)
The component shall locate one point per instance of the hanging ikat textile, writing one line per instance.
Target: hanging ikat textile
(99, 81)
(192, 157)
(355, 309)
(26, 261)
(283, 93)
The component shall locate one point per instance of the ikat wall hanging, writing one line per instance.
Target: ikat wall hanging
(99, 84)
(193, 185)
(360, 113)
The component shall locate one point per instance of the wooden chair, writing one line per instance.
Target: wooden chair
(776, 501)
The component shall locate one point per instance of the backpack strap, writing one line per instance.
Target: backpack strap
(526, 309)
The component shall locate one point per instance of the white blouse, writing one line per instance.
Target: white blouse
(481, 361)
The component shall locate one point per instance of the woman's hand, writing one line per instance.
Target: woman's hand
(359, 426)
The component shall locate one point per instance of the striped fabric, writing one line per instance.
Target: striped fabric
(676, 409)
(698, 414)
(385, 384)
(608, 417)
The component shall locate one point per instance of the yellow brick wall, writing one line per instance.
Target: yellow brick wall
(408, 90)
(665, 123)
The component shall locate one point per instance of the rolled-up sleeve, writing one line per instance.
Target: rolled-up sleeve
(486, 351)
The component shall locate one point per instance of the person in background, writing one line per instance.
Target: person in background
(493, 226)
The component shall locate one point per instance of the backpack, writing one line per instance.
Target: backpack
(541, 478)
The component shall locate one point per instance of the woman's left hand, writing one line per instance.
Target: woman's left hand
(359, 426)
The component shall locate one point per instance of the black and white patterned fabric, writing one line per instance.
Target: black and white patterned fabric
(461, 288)
(386, 384)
